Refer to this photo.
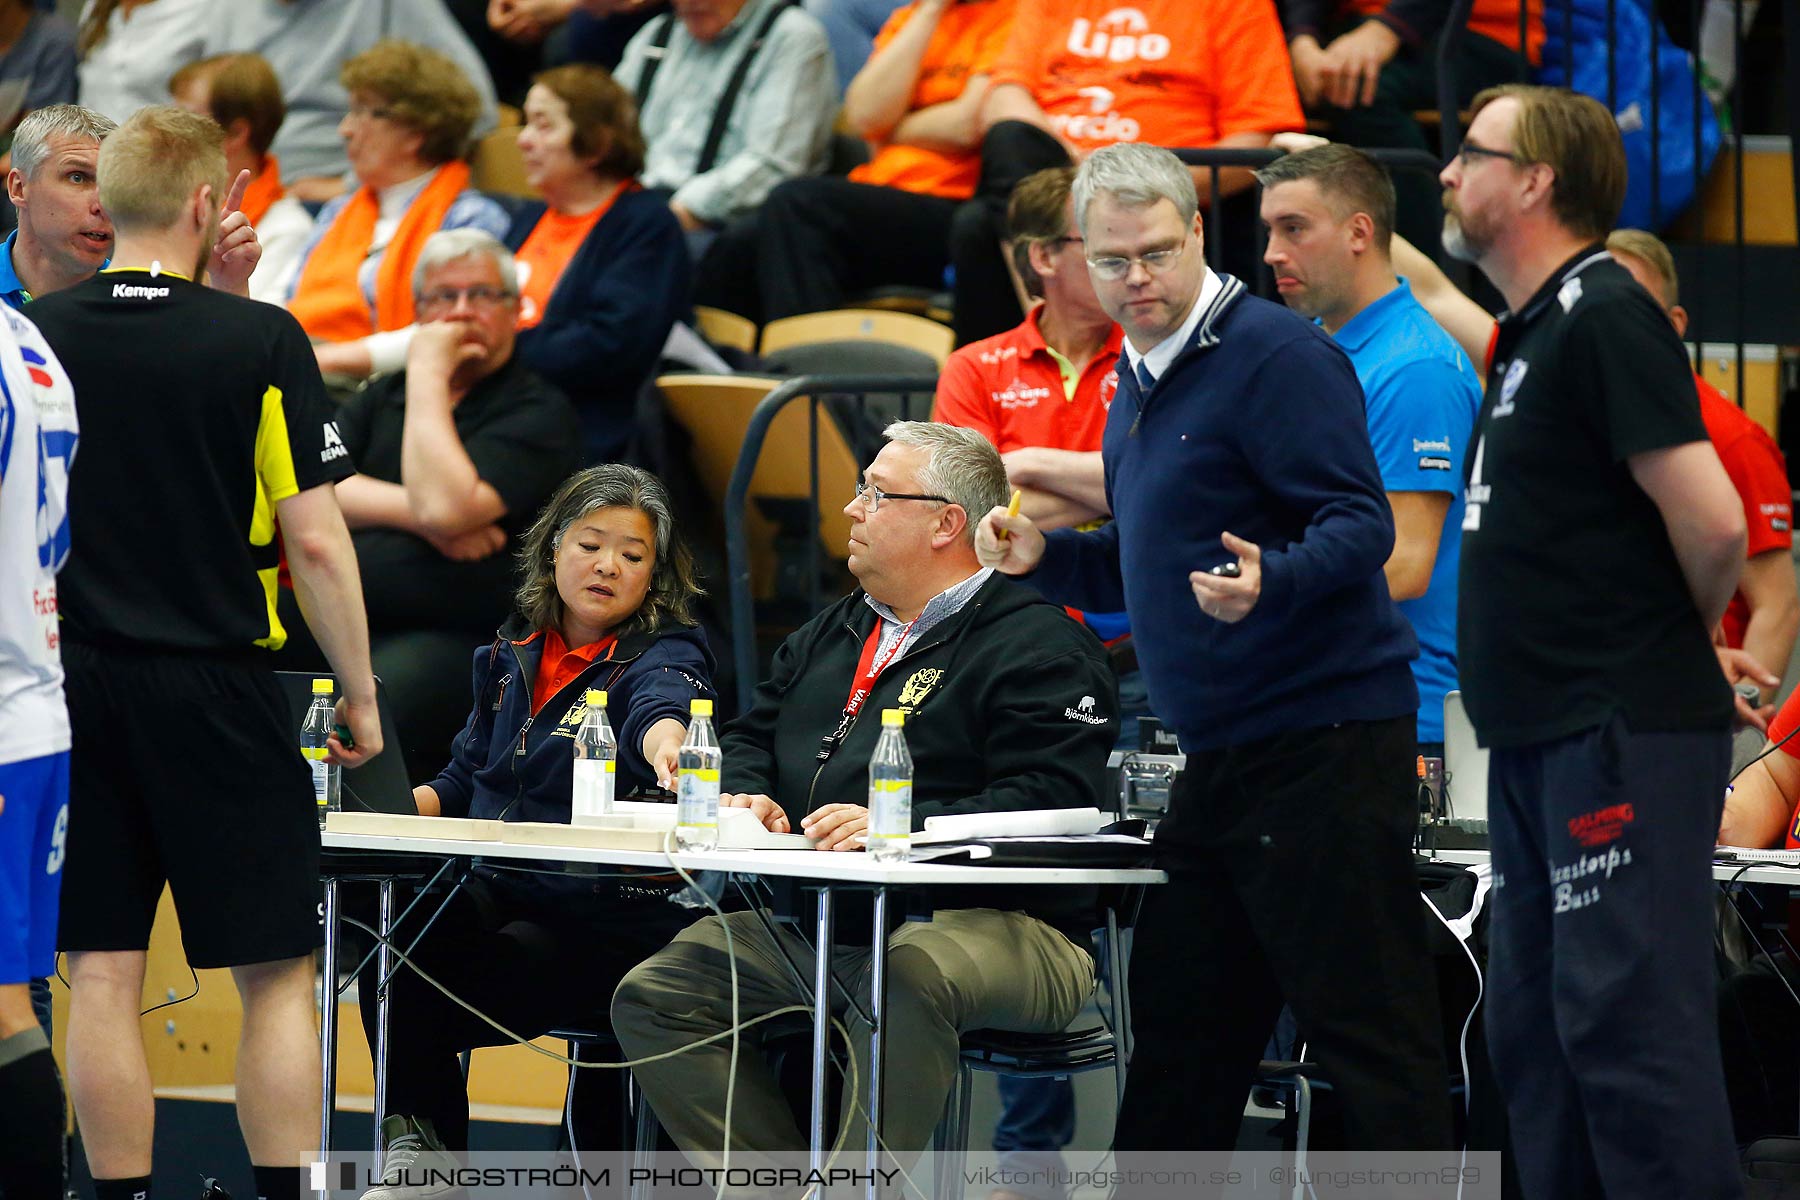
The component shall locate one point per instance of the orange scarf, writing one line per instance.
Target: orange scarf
(328, 302)
(265, 189)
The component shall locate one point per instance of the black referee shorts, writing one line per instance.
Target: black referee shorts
(184, 770)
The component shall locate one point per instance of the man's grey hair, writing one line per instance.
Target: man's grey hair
(450, 245)
(31, 140)
(1136, 176)
(963, 466)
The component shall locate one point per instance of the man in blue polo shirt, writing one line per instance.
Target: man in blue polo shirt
(63, 236)
(1330, 216)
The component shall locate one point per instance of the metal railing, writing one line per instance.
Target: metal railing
(830, 398)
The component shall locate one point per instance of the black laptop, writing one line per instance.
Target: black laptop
(379, 785)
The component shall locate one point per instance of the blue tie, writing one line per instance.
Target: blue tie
(1145, 378)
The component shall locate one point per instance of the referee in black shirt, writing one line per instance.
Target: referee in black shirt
(1601, 542)
(208, 447)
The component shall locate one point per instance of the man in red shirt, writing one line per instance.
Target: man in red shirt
(1041, 391)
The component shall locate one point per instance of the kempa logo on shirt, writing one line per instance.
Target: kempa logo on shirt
(137, 291)
(1085, 713)
(334, 445)
(1431, 462)
(1122, 35)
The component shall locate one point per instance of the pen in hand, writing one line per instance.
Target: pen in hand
(1012, 510)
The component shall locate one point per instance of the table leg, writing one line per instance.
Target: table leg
(877, 1019)
(821, 1025)
(384, 972)
(328, 1020)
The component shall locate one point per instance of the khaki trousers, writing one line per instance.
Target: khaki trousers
(970, 968)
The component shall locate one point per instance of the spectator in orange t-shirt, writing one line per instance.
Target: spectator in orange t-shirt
(603, 264)
(1080, 74)
(1367, 65)
(817, 241)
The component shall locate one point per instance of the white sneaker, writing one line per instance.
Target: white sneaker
(415, 1166)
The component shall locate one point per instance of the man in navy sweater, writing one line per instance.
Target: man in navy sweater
(1238, 444)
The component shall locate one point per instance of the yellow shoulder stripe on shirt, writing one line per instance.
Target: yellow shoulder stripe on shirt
(274, 481)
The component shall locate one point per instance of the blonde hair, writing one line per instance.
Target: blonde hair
(151, 165)
(1578, 139)
(422, 90)
(1649, 249)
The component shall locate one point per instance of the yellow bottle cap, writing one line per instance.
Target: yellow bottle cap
(700, 708)
(892, 716)
(595, 698)
(321, 687)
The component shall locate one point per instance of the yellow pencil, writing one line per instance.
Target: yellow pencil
(1012, 509)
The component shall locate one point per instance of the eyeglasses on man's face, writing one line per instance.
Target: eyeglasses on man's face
(1114, 267)
(872, 496)
(480, 295)
(1472, 150)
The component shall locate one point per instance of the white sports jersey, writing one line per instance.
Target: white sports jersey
(37, 444)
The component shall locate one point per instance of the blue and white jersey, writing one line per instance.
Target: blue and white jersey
(37, 444)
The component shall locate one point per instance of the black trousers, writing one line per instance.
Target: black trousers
(817, 242)
(986, 303)
(1291, 878)
(1602, 1017)
(529, 972)
(1407, 84)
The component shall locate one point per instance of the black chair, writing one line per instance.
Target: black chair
(1044, 1055)
(643, 1128)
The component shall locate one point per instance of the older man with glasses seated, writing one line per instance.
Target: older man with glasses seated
(1008, 705)
(454, 457)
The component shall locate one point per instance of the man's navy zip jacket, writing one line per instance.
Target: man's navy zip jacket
(1010, 705)
(507, 764)
(1256, 427)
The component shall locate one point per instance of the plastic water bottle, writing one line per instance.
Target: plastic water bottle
(596, 756)
(697, 794)
(315, 734)
(890, 791)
